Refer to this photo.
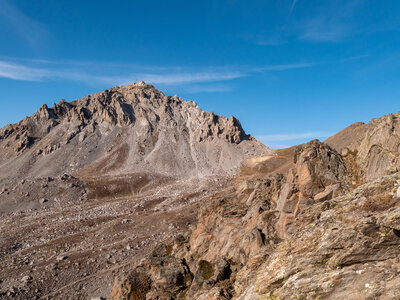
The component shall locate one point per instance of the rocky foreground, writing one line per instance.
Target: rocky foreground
(306, 223)
(132, 194)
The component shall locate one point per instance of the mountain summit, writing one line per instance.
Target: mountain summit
(126, 129)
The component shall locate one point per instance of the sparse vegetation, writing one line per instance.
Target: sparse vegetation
(206, 268)
(168, 250)
(188, 279)
(351, 162)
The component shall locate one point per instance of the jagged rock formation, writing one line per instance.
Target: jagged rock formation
(255, 216)
(344, 248)
(160, 276)
(126, 129)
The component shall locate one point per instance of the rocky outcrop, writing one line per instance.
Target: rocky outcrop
(230, 129)
(343, 248)
(241, 227)
(319, 174)
(374, 147)
(379, 150)
(160, 276)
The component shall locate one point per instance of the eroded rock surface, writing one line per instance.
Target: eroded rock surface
(305, 233)
(373, 147)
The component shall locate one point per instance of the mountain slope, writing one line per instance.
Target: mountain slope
(88, 188)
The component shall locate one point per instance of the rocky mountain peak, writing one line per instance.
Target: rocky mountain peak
(161, 133)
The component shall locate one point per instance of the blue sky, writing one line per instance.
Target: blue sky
(290, 70)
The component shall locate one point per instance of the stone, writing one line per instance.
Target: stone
(61, 257)
(26, 279)
(325, 195)
(43, 200)
(165, 274)
(374, 146)
(65, 177)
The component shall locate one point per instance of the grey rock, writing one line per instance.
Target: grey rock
(26, 279)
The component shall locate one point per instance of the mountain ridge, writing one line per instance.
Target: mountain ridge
(155, 126)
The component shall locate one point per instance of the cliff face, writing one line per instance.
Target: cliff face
(305, 223)
(373, 147)
(133, 128)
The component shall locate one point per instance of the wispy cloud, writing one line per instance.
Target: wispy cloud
(20, 72)
(294, 2)
(285, 67)
(357, 57)
(28, 73)
(325, 29)
(114, 74)
(177, 78)
(334, 22)
(209, 88)
(330, 21)
(293, 136)
(30, 31)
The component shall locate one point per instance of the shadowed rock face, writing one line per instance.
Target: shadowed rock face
(160, 276)
(126, 129)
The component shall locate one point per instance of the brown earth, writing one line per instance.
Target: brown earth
(74, 249)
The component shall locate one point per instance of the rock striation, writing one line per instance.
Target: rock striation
(374, 147)
(243, 225)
